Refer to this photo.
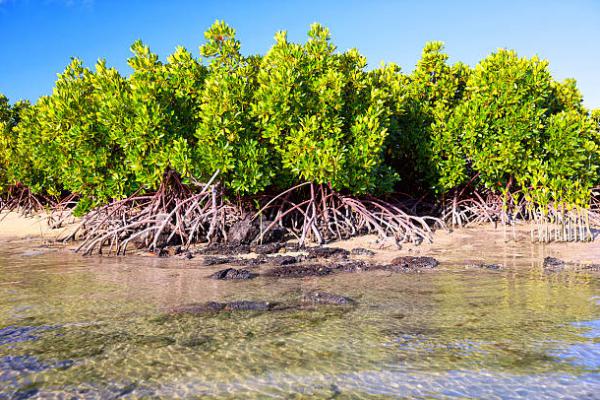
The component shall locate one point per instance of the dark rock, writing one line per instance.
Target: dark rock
(327, 252)
(268, 248)
(232, 273)
(274, 235)
(360, 251)
(283, 260)
(352, 266)
(299, 271)
(210, 260)
(215, 307)
(242, 232)
(251, 262)
(225, 249)
(316, 297)
(410, 263)
(250, 230)
(553, 264)
(244, 305)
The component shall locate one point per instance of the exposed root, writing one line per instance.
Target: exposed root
(476, 209)
(20, 199)
(174, 214)
(316, 213)
(554, 222)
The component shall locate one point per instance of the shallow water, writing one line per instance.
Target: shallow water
(75, 327)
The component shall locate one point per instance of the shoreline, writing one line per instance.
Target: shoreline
(460, 242)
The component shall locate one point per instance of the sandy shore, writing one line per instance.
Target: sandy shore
(473, 244)
(17, 226)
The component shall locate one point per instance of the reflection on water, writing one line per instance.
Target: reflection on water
(74, 327)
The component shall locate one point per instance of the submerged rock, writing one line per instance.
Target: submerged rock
(197, 308)
(233, 274)
(317, 297)
(410, 263)
(327, 252)
(552, 264)
(360, 251)
(245, 305)
(487, 266)
(299, 271)
(214, 307)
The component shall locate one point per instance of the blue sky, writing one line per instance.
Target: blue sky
(38, 37)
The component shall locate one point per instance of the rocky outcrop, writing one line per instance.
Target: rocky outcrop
(552, 264)
(233, 274)
(327, 252)
(299, 271)
(412, 264)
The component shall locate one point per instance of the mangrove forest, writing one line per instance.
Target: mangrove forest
(305, 138)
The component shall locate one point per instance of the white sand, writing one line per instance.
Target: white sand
(17, 226)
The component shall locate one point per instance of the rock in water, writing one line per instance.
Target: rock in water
(299, 271)
(232, 273)
(410, 263)
(215, 307)
(552, 264)
(316, 297)
(244, 305)
(488, 266)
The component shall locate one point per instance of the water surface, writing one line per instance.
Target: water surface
(75, 327)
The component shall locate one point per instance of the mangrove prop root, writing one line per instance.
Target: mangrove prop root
(316, 213)
(20, 199)
(174, 214)
(553, 222)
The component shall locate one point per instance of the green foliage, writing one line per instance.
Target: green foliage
(519, 130)
(10, 117)
(161, 102)
(420, 147)
(227, 137)
(570, 161)
(322, 114)
(304, 112)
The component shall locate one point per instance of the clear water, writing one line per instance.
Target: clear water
(74, 327)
